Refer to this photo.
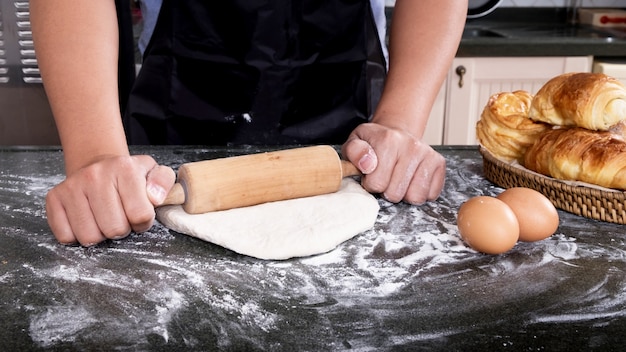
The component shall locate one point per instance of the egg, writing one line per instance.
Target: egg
(536, 215)
(488, 225)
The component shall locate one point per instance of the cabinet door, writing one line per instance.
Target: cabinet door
(433, 134)
(467, 95)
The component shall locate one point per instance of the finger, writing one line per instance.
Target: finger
(132, 190)
(427, 183)
(361, 154)
(402, 176)
(81, 220)
(57, 219)
(378, 181)
(159, 182)
(438, 180)
(108, 212)
(145, 162)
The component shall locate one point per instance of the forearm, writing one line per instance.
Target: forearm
(77, 50)
(424, 37)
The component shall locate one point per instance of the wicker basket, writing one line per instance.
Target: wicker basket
(593, 203)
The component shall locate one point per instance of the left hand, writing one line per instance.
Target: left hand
(395, 163)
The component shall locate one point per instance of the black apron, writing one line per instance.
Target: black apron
(257, 72)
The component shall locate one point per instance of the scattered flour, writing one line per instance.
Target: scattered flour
(60, 324)
(162, 288)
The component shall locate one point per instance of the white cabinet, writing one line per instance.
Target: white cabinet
(433, 134)
(614, 68)
(463, 103)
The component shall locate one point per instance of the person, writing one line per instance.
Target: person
(238, 72)
(149, 13)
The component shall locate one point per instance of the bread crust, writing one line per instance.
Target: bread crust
(590, 100)
(504, 127)
(579, 154)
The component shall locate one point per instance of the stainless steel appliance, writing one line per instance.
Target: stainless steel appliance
(25, 116)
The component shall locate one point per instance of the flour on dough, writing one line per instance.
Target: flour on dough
(284, 229)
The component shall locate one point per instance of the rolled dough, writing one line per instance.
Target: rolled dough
(284, 229)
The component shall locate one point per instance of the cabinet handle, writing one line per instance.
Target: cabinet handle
(460, 71)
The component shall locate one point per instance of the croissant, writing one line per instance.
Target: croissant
(504, 127)
(591, 100)
(579, 154)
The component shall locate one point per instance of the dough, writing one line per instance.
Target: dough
(284, 229)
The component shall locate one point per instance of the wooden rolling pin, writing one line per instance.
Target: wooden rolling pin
(241, 181)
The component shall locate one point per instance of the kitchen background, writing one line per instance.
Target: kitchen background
(25, 117)
(549, 3)
(561, 3)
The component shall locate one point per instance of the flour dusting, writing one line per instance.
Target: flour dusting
(60, 324)
(408, 283)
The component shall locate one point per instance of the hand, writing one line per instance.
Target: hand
(395, 164)
(108, 199)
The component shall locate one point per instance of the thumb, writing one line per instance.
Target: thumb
(361, 154)
(159, 182)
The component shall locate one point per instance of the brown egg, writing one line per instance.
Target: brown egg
(488, 225)
(536, 215)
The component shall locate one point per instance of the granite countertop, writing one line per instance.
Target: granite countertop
(537, 32)
(409, 283)
(518, 32)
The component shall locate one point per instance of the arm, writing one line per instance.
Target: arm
(107, 193)
(424, 38)
(77, 48)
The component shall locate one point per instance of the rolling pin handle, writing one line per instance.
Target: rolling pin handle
(348, 169)
(176, 195)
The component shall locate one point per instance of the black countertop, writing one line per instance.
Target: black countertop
(519, 32)
(538, 32)
(408, 284)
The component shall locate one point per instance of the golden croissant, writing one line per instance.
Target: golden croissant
(579, 154)
(590, 100)
(504, 127)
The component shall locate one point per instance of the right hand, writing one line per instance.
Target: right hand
(108, 199)
(395, 164)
